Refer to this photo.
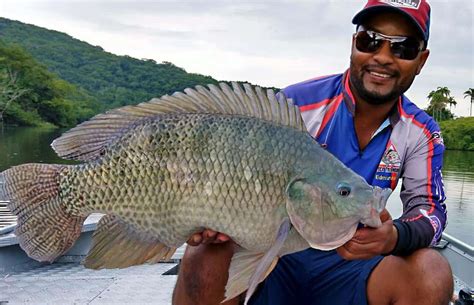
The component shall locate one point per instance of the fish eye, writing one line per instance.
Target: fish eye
(343, 189)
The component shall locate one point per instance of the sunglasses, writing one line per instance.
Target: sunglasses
(406, 48)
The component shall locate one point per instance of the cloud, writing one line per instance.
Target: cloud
(272, 43)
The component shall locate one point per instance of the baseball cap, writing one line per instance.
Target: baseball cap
(418, 11)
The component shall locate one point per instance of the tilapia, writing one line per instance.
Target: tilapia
(235, 160)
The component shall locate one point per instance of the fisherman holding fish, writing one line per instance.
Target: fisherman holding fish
(283, 194)
(362, 118)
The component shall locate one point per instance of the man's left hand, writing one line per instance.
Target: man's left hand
(369, 242)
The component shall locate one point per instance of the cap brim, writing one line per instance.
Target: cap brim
(363, 14)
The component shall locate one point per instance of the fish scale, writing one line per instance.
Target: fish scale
(235, 193)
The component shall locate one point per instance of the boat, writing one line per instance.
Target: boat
(26, 281)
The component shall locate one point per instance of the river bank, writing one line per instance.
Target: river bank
(458, 134)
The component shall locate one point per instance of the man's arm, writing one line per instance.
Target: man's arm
(424, 213)
(203, 271)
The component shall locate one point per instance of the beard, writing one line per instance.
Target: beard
(373, 97)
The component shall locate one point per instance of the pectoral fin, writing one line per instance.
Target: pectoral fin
(117, 244)
(248, 269)
(242, 267)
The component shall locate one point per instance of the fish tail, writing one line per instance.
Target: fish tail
(46, 228)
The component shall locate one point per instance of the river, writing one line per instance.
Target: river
(22, 145)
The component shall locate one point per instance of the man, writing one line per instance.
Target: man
(363, 118)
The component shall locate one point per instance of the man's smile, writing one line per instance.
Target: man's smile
(382, 75)
(378, 75)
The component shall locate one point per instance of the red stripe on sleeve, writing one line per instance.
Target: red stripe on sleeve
(429, 159)
(330, 113)
(315, 105)
(348, 88)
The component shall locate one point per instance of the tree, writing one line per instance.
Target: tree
(9, 89)
(470, 93)
(439, 99)
(41, 98)
(444, 91)
(451, 102)
(437, 104)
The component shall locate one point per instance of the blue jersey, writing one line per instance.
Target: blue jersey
(408, 145)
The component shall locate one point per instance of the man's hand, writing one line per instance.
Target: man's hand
(207, 237)
(369, 242)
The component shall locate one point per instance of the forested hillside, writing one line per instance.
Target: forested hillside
(97, 76)
(31, 95)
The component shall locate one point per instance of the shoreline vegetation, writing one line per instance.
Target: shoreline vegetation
(52, 80)
(458, 134)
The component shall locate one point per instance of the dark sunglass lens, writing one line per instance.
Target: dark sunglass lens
(407, 49)
(367, 44)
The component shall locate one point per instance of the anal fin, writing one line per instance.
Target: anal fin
(117, 244)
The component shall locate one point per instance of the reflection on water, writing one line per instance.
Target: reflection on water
(22, 145)
(25, 144)
(458, 176)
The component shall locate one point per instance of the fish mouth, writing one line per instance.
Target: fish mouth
(382, 195)
(376, 206)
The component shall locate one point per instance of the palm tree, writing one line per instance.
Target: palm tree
(444, 91)
(439, 99)
(451, 101)
(437, 102)
(470, 93)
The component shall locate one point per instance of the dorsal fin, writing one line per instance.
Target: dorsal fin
(87, 140)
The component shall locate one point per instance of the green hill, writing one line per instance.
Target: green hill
(31, 95)
(97, 76)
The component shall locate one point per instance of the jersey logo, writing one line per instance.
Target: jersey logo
(435, 223)
(390, 161)
(414, 4)
(437, 138)
(389, 166)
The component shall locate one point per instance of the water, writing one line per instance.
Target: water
(22, 145)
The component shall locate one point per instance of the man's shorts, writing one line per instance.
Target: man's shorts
(313, 277)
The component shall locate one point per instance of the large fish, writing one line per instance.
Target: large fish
(235, 160)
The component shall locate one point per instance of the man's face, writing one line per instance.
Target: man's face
(381, 77)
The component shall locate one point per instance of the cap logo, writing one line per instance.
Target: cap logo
(415, 4)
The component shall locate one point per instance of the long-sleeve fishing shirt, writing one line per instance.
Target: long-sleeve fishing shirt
(408, 145)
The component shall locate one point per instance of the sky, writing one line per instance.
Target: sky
(269, 43)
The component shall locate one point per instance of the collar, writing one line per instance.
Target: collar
(349, 100)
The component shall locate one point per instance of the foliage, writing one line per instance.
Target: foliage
(439, 114)
(10, 90)
(458, 134)
(439, 99)
(34, 96)
(470, 93)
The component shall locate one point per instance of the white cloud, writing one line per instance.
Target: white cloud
(271, 43)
